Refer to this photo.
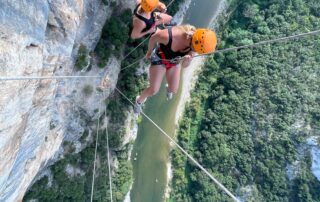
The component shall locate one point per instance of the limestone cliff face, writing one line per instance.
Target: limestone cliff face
(40, 38)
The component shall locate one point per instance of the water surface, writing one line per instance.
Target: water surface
(151, 149)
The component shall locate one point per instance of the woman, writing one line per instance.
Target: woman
(145, 18)
(172, 43)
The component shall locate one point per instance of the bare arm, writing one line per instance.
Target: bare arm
(159, 37)
(138, 25)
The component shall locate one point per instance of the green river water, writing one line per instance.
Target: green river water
(151, 149)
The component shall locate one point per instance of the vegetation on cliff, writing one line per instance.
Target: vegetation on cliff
(251, 109)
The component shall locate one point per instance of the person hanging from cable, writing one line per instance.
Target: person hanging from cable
(166, 49)
(146, 18)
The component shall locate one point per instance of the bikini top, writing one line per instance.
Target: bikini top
(167, 50)
(149, 22)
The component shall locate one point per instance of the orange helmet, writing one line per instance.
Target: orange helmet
(149, 5)
(204, 41)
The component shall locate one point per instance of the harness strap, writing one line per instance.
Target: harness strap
(167, 63)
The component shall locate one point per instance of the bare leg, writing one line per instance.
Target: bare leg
(173, 79)
(156, 75)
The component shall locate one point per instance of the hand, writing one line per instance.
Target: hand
(148, 55)
(157, 16)
(186, 61)
(153, 29)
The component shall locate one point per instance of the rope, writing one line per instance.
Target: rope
(44, 77)
(95, 155)
(108, 153)
(59, 77)
(186, 153)
(136, 47)
(169, 4)
(138, 60)
(262, 43)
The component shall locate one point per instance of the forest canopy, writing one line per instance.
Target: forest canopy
(252, 109)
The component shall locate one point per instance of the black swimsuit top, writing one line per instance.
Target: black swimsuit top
(167, 50)
(149, 22)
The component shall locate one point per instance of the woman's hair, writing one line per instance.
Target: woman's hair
(187, 29)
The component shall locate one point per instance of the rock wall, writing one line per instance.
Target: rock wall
(40, 38)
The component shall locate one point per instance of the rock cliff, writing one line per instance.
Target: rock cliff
(41, 38)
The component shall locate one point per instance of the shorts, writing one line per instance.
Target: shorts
(158, 58)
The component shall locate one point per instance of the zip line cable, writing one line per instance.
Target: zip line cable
(264, 42)
(200, 55)
(186, 153)
(169, 4)
(138, 60)
(59, 77)
(254, 45)
(108, 152)
(44, 77)
(136, 47)
(95, 155)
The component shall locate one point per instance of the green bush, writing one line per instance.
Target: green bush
(83, 57)
(87, 90)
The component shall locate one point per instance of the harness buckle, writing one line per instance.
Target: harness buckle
(175, 60)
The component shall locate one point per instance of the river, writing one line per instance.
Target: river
(151, 149)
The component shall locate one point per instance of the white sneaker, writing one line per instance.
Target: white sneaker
(169, 94)
(138, 106)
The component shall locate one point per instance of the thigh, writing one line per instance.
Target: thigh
(156, 75)
(173, 78)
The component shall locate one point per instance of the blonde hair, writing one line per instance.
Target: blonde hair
(187, 29)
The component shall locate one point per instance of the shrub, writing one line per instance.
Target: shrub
(87, 90)
(82, 61)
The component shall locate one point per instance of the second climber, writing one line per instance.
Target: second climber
(146, 18)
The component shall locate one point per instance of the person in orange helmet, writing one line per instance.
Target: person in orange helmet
(167, 45)
(146, 19)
